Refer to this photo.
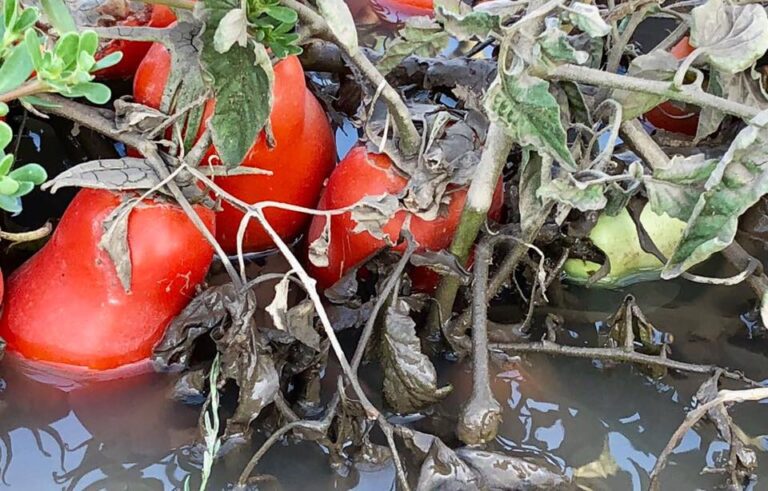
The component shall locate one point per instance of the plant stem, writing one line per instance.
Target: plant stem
(479, 199)
(410, 140)
(178, 4)
(29, 88)
(687, 93)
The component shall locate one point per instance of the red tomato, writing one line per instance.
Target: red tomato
(672, 115)
(398, 10)
(133, 51)
(303, 156)
(66, 304)
(363, 174)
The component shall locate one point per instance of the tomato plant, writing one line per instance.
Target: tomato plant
(675, 116)
(303, 155)
(362, 174)
(67, 304)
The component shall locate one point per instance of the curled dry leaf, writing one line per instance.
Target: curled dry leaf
(340, 21)
(125, 174)
(410, 380)
(114, 241)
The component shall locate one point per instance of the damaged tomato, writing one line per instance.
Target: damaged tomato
(67, 304)
(303, 156)
(363, 174)
(133, 51)
(674, 116)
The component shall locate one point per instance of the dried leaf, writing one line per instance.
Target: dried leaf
(470, 25)
(339, 19)
(278, 309)
(587, 18)
(372, 213)
(233, 28)
(410, 380)
(442, 262)
(498, 471)
(744, 87)
(318, 248)
(114, 241)
(582, 196)
(123, 174)
(556, 46)
(731, 37)
(421, 36)
(736, 183)
(676, 189)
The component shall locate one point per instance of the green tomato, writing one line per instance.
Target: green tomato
(617, 238)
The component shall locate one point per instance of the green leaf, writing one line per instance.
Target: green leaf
(10, 7)
(731, 37)
(566, 190)
(6, 135)
(738, 181)
(656, 65)
(8, 186)
(89, 42)
(420, 36)
(676, 189)
(26, 20)
(67, 48)
(340, 21)
(3, 109)
(59, 16)
(25, 187)
(243, 89)
(11, 204)
(108, 61)
(530, 115)
(15, 69)
(34, 173)
(34, 48)
(282, 14)
(5, 164)
(587, 18)
(94, 92)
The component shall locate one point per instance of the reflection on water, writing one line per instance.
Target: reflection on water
(128, 434)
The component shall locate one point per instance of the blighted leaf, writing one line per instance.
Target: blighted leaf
(555, 44)
(676, 189)
(278, 309)
(300, 322)
(736, 183)
(340, 21)
(530, 203)
(443, 469)
(475, 24)
(127, 173)
(410, 380)
(442, 262)
(744, 87)
(499, 471)
(587, 18)
(372, 213)
(420, 36)
(582, 196)
(114, 241)
(258, 381)
(318, 248)
(731, 37)
(656, 65)
(232, 29)
(529, 114)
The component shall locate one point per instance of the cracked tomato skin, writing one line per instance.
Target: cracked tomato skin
(133, 51)
(671, 115)
(303, 156)
(67, 305)
(363, 174)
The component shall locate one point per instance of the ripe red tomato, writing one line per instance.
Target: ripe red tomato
(398, 10)
(363, 174)
(676, 116)
(303, 156)
(133, 51)
(66, 304)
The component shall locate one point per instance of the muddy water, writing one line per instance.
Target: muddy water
(128, 434)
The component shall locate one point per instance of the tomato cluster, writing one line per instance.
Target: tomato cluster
(68, 304)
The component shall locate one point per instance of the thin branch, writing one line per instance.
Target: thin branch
(687, 93)
(694, 416)
(410, 139)
(29, 88)
(616, 355)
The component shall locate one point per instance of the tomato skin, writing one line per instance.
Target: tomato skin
(303, 156)
(66, 304)
(133, 51)
(363, 174)
(671, 115)
(397, 11)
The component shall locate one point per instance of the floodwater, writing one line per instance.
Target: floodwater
(128, 434)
